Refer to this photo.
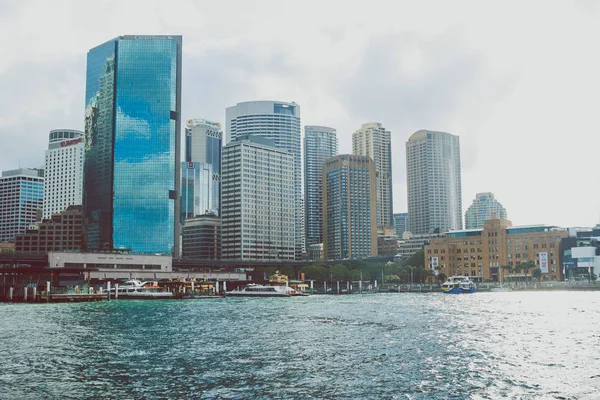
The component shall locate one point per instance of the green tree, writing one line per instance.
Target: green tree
(339, 272)
(315, 272)
(441, 277)
(526, 266)
(537, 273)
(416, 260)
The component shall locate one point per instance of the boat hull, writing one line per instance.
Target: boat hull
(453, 290)
(242, 294)
(145, 296)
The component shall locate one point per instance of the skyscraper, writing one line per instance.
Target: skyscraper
(373, 140)
(279, 122)
(484, 207)
(400, 220)
(349, 207)
(21, 200)
(201, 171)
(63, 171)
(433, 180)
(132, 157)
(258, 204)
(320, 143)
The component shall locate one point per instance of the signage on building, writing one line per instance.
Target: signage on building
(544, 262)
(434, 262)
(70, 142)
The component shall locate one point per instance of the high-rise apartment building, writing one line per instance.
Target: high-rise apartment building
(258, 204)
(433, 181)
(21, 201)
(320, 143)
(349, 207)
(63, 171)
(400, 220)
(201, 170)
(279, 122)
(373, 140)
(132, 141)
(484, 207)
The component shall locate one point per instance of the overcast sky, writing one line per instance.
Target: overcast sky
(518, 81)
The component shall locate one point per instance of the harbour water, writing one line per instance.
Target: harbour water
(383, 346)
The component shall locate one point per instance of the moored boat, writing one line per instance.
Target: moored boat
(135, 289)
(256, 290)
(458, 284)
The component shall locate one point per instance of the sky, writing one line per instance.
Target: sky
(518, 81)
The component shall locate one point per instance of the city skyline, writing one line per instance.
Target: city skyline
(455, 73)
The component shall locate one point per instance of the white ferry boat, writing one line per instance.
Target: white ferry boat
(458, 284)
(134, 289)
(255, 290)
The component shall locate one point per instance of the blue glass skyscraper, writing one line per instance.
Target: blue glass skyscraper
(132, 121)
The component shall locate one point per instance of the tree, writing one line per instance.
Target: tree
(537, 273)
(441, 277)
(339, 272)
(526, 266)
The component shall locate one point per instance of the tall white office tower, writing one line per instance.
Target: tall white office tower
(373, 140)
(258, 204)
(433, 180)
(320, 143)
(280, 122)
(63, 171)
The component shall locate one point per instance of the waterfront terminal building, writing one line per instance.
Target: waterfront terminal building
(490, 253)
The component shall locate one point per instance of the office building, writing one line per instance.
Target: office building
(63, 171)
(491, 253)
(373, 140)
(581, 254)
(484, 207)
(21, 201)
(201, 237)
(320, 143)
(132, 162)
(349, 207)
(63, 231)
(258, 204)
(433, 182)
(400, 220)
(201, 170)
(279, 122)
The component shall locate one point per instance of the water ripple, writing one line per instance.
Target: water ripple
(388, 346)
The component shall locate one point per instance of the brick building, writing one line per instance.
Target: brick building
(481, 253)
(63, 231)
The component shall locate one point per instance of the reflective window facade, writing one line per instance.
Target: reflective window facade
(279, 122)
(132, 146)
(201, 171)
(320, 143)
(349, 207)
(21, 196)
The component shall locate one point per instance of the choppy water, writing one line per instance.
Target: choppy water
(386, 346)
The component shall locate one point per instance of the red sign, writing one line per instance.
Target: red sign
(70, 142)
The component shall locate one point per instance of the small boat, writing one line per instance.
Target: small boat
(458, 284)
(135, 289)
(501, 288)
(256, 290)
